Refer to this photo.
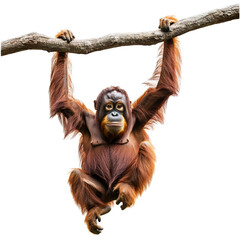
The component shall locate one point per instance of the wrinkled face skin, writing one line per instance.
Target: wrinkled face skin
(113, 115)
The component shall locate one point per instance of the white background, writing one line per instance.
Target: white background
(195, 189)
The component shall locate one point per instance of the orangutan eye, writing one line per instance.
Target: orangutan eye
(119, 107)
(109, 107)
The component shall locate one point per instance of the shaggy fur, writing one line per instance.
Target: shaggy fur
(117, 170)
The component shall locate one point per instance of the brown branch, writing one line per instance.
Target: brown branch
(41, 42)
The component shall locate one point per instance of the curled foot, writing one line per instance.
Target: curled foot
(93, 216)
(126, 196)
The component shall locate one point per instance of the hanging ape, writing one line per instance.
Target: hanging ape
(117, 157)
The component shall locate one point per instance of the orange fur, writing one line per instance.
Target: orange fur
(112, 169)
(62, 103)
(151, 105)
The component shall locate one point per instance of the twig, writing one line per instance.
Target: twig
(41, 42)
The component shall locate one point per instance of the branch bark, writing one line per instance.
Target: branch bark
(41, 42)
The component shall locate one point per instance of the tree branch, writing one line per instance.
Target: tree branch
(41, 42)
